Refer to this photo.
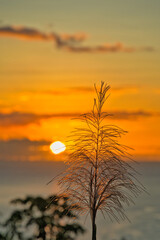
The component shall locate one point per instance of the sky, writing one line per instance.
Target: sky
(52, 54)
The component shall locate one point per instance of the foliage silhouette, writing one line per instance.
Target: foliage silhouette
(98, 177)
(51, 217)
(3, 236)
(12, 224)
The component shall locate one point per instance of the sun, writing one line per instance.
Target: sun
(57, 147)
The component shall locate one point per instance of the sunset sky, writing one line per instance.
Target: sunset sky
(54, 51)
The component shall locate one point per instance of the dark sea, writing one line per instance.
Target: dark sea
(19, 179)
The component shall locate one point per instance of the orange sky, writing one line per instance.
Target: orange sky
(52, 53)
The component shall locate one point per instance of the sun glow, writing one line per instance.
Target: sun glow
(57, 147)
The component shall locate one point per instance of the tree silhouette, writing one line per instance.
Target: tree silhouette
(98, 177)
(50, 217)
(12, 224)
(3, 236)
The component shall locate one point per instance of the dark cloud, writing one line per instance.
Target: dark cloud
(27, 33)
(25, 149)
(24, 33)
(124, 115)
(22, 119)
(105, 48)
(68, 42)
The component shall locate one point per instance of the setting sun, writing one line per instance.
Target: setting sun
(57, 147)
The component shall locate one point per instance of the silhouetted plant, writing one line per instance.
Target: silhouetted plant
(50, 217)
(3, 236)
(12, 226)
(98, 177)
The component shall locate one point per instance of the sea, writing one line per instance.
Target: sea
(20, 179)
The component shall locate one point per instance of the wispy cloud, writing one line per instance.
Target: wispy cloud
(23, 119)
(115, 89)
(68, 42)
(24, 33)
(32, 34)
(67, 91)
(106, 48)
(125, 89)
(125, 115)
(82, 89)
